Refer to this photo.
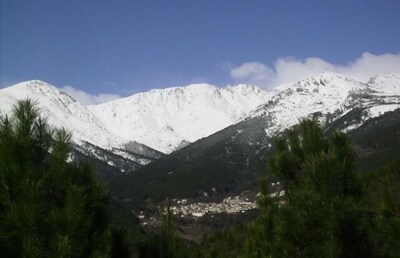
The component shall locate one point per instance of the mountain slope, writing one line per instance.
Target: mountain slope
(62, 111)
(231, 160)
(165, 119)
(327, 96)
(88, 133)
(170, 118)
(387, 83)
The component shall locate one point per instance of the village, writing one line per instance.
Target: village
(230, 205)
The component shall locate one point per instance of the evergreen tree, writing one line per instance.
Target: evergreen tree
(323, 213)
(259, 241)
(167, 231)
(327, 210)
(119, 246)
(49, 207)
(384, 193)
(171, 245)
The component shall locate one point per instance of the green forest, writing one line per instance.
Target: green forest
(51, 206)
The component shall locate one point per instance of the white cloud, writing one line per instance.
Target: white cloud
(88, 99)
(252, 72)
(289, 69)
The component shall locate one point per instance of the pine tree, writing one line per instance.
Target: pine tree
(260, 238)
(323, 213)
(171, 246)
(167, 231)
(384, 189)
(49, 207)
(119, 246)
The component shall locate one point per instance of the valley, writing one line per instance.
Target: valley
(203, 147)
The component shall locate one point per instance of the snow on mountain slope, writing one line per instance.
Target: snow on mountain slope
(329, 96)
(386, 83)
(166, 119)
(386, 86)
(61, 111)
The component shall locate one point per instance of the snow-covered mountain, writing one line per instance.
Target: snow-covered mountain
(170, 118)
(62, 111)
(387, 83)
(329, 96)
(137, 127)
(162, 119)
(231, 160)
(88, 133)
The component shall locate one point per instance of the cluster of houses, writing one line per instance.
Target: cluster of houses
(184, 208)
(229, 205)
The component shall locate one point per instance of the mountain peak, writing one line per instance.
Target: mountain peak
(200, 86)
(37, 89)
(195, 86)
(332, 82)
(322, 94)
(36, 84)
(61, 110)
(164, 118)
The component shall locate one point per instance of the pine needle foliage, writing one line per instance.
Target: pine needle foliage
(324, 210)
(48, 207)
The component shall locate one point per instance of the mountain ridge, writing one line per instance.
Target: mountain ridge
(163, 119)
(61, 110)
(231, 159)
(168, 119)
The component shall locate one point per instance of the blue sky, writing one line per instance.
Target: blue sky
(122, 47)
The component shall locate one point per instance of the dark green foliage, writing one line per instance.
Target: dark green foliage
(377, 141)
(292, 150)
(258, 240)
(384, 188)
(329, 209)
(226, 243)
(171, 246)
(148, 246)
(167, 231)
(119, 246)
(323, 213)
(49, 208)
(165, 242)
